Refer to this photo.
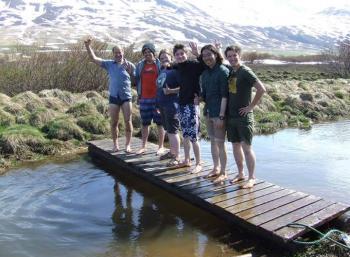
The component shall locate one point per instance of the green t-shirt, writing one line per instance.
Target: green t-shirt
(240, 85)
(214, 86)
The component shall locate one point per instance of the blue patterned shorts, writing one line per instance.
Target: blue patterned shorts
(189, 120)
(149, 112)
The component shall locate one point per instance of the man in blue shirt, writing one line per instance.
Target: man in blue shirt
(120, 71)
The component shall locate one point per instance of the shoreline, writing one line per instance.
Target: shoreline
(35, 127)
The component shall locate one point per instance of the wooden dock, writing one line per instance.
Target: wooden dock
(266, 209)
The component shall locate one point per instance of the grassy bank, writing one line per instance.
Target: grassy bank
(34, 126)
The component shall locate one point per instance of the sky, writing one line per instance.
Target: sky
(268, 12)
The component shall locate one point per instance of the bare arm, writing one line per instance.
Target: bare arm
(91, 53)
(169, 91)
(219, 123)
(260, 90)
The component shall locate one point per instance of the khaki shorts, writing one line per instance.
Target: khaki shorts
(213, 132)
(240, 130)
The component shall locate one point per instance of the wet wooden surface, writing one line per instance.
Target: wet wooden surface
(266, 209)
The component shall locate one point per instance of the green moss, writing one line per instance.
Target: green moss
(95, 124)
(64, 129)
(82, 109)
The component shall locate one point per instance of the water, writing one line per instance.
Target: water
(75, 209)
(315, 161)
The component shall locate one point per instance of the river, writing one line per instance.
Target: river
(76, 209)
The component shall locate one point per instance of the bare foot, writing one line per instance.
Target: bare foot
(128, 149)
(184, 164)
(160, 151)
(237, 178)
(115, 149)
(141, 151)
(221, 178)
(214, 173)
(197, 168)
(250, 183)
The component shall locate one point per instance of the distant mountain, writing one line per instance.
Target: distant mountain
(55, 23)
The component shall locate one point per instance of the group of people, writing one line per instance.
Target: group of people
(170, 87)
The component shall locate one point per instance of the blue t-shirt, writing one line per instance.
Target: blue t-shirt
(168, 77)
(119, 79)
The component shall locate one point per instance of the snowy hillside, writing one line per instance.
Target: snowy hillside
(57, 22)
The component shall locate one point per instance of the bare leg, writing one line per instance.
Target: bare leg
(197, 154)
(250, 161)
(145, 133)
(174, 141)
(114, 114)
(215, 156)
(222, 156)
(126, 108)
(187, 148)
(161, 135)
(239, 158)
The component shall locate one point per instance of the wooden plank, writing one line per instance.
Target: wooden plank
(224, 197)
(210, 185)
(316, 219)
(295, 215)
(250, 200)
(266, 208)
(204, 182)
(225, 190)
(280, 211)
(271, 205)
(173, 180)
(259, 198)
(180, 173)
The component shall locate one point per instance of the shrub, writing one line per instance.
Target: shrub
(40, 117)
(6, 119)
(20, 139)
(64, 129)
(82, 109)
(95, 124)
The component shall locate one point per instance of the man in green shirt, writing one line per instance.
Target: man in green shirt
(240, 113)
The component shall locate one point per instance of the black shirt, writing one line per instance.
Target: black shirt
(189, 72)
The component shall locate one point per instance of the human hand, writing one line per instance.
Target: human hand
(217, 44)
(166, 90)
(87, 42)
(194, 48)
(245, 110)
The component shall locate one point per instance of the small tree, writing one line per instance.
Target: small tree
(339, 58)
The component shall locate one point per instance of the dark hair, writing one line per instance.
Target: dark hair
(215, 51)
(178, 47)
(235, 48)
(164, 51)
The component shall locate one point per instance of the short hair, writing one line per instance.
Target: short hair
(179, 47)
(117, 47)
(164, 51)
(235, 48)
(214, 50)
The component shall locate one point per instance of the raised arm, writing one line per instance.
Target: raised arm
(91, 53)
